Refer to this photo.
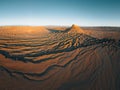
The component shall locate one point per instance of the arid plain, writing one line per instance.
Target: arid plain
(59, 58)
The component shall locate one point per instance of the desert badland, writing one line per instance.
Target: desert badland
(59, 58)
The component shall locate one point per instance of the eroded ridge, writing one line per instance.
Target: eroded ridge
(78, 59)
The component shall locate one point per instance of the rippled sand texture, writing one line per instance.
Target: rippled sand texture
(38, 58)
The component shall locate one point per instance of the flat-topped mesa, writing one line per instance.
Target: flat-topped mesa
(76, 29)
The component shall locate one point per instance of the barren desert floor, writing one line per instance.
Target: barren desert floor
(59, 58)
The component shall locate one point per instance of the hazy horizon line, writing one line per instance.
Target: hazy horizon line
(66, 25)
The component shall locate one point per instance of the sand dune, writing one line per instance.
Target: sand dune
(40, 58)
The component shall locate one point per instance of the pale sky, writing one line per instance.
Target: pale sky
(60, 12)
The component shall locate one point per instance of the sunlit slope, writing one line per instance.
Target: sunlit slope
(76, 29)
(22, 30)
